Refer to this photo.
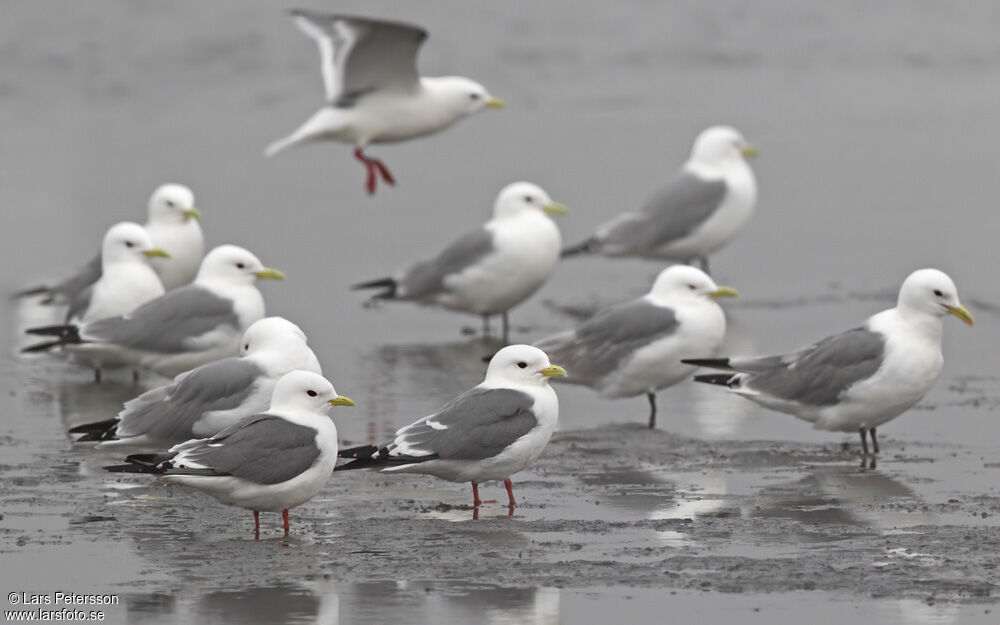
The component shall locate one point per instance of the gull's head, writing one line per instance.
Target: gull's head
(235, 265)
(522, 364)
(172, 203)
(271, 333)
(719, 145)
(679, 282)
(464, 96)
(129, 242)
(520, 197)
(305, 391)
(932, 292)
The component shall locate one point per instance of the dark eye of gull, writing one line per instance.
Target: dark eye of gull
(129, 244)
(473, 96)
(692, 287)
(311, 393)
(528, 199)
(247, 347)
(522, 364)
(170, 203)
(240, 266)
(938, 293)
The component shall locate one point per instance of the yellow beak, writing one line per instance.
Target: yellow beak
(962, 313)
(270, 274)
(749, 151)
(724, 291)
(554, 371)
(192, 213)
(156, 252)
(495, 103)
(556, 208)
(340, 400)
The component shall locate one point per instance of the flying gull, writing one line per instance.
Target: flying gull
(180, 330)
(492, 269)
(636, 347)
(204, 401)
(373, 91)
(172, 223)
(859, 379)
(699, 211)
(269, 462)
(487, 433)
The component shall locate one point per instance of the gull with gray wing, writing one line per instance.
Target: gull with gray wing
(373, 91)
(179, 330)
(202, 402)
(491, 269)
(636, 347)
(857, 380)
(269, 462)
(487, 433)
(699, 211)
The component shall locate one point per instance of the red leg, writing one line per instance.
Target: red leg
(384, 171)
(256, 524)
(510, 492)
(284, 517)
(370, 179)
(476, 501)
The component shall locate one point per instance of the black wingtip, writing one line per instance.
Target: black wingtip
(97, 431)
(719, 379)
(361, 451)
(388, 284)
(35, 290)
(587, 247)
(41, 347)
(714, 363)
(62, 329)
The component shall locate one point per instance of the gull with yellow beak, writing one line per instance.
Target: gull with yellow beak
(859, 379)
(491, 269)
(269, 462)
(172, 223)
(700, 209)
(182, 329)
(636, 347)
(489, 432)
(373, 91)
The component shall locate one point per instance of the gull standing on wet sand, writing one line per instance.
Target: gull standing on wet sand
(636, 347)
(492, 269)
(202, 402)
(270, 462)
(373, 91)
(487, 433)
(181, 329)
(127, 280)
(859, 379)
(699, 211)
(172, 224)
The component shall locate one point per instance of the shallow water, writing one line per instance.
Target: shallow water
(877, 132)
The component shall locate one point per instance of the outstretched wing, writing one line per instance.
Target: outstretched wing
(359, 55)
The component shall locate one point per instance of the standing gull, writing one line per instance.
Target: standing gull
(182, 329)
(268, 462)
(212, 397)
(492, 269)
(172, 223)
(127, 281)
(373, 91)
(699, 211)
(487, 433)
(636, 347)
(859, 379)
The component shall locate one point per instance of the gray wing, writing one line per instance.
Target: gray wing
(168, 413)
(167, 323)
(477, 424)
(598, 346)
(671, 214)
(264, 449)
(427, 278)
(819, 374)
(82, 279)
(79, 303)
(359, 55)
